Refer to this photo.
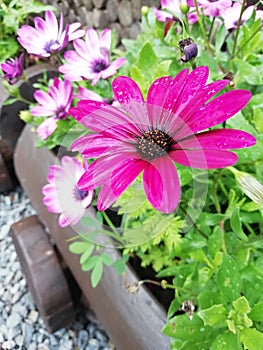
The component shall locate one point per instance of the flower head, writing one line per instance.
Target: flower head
(91, 58)
(55, 104)
(62, 195)
(231, 15)
(155, 133)
(214, 7)
(172, 9)
(47, 37)
(13, 69)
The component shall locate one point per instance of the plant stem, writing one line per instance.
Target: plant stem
(236, 34)
(247, 41)
(211, 28)
(202, 27)
(166, 285)
(107, 219)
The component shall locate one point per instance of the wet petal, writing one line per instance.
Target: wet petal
(161, 184)
(219, 139)
(121, 177)
(204, 159)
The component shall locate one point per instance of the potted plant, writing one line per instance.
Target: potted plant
(203, 244)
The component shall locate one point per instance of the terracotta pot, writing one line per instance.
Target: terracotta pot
(11, 125)
(131, 321)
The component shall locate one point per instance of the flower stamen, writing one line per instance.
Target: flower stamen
(154, 144)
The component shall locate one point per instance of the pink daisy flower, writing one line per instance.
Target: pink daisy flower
(214, 7)
(231, 15)
(155, 134)
(171, 9)
(48, 37)
(55, 104)
(13, 69)
(87, 94)
(62, 195)
(91, 58)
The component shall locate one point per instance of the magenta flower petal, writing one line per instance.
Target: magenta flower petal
(121, 177)
(100, 171)
(219, 109)
(152, 135)
(98, 116)
(204, 159)
(219, 139)
(13, 69)
(161, 184)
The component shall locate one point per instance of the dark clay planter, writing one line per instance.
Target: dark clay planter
(131, 321)
(11, 125)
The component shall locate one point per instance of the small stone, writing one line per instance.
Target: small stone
(19, 340)
(125, 13)
(32, 346)
(13, 320)
(101, 337)
(72, 333)
(93, 344)
(8, 344)
(33, 316)
(42, 347)
(83, 338)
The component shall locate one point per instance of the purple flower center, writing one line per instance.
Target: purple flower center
(80, 195)
(99, 66)
(154, 144)
(61, 113)
(49, 45)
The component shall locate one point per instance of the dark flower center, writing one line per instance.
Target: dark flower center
(49, 44)
(154, 144)
(99, 66)
(80, 195)
(61, 113)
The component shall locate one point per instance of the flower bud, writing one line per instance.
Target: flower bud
(145, 10)
(26, 116)
(249, 185)
(184, 7)
(189, 48)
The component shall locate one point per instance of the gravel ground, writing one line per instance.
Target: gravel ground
(21, 326)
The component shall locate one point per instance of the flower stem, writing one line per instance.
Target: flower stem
(202, 27)
(236, 34)
(107, 219)
(166, 285)
(248, 40)
(211, 29)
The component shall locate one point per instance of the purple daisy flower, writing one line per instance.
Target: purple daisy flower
(62, 195)
(152, 135)
(48, 37)
(91, 58)
(13, 69)
(231, 15)
(55, 104)
(214, 7)
(173, 8)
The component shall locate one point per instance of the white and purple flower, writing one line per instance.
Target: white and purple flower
(91, 58)
(62, 195)
(54, 105)
(48, 37)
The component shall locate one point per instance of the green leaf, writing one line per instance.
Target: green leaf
(147, 58)
(252, 339)
(228, 278)
(241, 305)
(184, 330)
(90, 263)
(120, 264)
(174, 306)
(78, 247)
(87, 253)
(106, 259)
(96, 273)
(227, 341)
(215, 315)
(236, 226)
(256, 314)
